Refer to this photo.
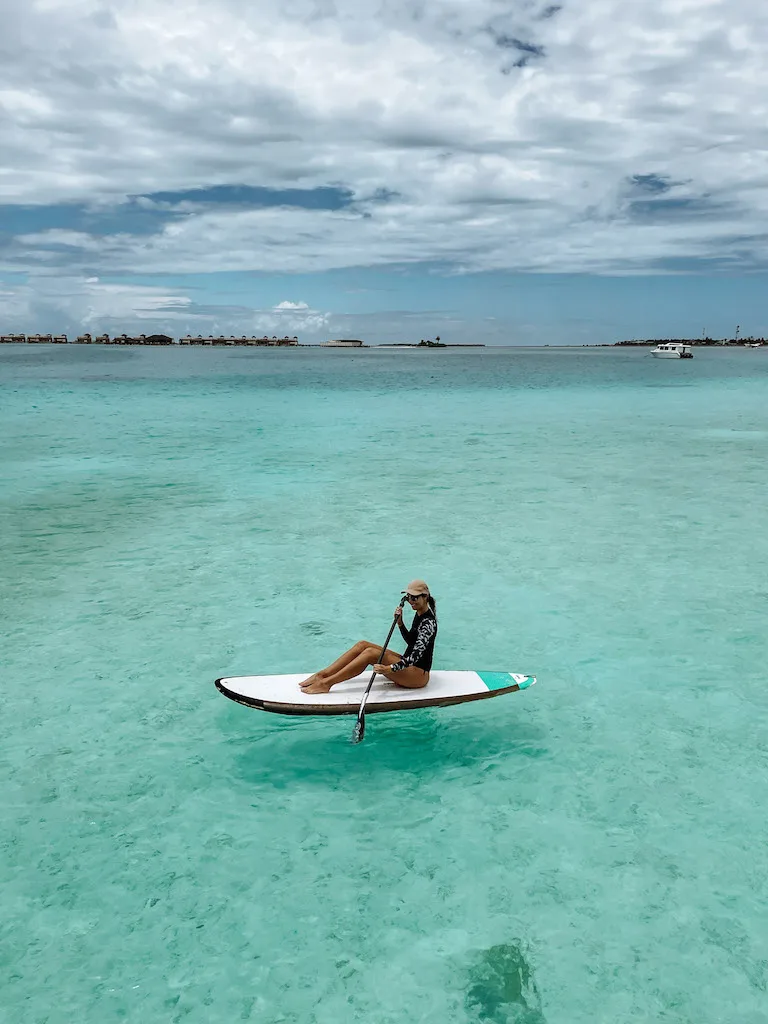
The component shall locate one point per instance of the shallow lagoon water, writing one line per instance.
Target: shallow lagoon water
(593, 849)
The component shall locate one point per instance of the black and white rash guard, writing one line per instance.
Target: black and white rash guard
(421, 642)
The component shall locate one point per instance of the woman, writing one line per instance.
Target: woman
(410, 670)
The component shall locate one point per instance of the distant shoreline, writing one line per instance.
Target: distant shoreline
(163, 340)
(152, 341)
(698, 342)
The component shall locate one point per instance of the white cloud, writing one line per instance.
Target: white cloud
(73, 304)
(493, 166)
(290, 318)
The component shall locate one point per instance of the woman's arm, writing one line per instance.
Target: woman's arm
(404, 631)
(427, 629)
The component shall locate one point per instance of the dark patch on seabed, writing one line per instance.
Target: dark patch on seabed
(312, 628)
(502, 989)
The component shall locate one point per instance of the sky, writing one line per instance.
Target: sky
(504, 171)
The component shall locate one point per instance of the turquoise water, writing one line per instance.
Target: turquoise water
(593, 849)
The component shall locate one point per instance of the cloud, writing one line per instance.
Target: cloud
(73, 304)
(191, 136)
(291, 318)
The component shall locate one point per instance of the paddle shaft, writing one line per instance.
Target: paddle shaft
(357, 735)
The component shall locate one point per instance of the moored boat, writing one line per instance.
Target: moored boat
(672, 350)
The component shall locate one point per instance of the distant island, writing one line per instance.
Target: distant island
(426, 343)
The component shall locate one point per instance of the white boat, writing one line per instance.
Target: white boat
(672, 350)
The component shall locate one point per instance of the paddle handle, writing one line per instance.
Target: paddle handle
(359, 730)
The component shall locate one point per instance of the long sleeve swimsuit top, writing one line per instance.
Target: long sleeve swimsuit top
(421, 642)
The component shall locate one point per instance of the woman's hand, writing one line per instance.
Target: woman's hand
(380, 668)
(399, 613)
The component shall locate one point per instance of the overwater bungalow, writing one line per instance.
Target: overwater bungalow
(12, 339)
(39, 339)
(100, 339)
(242, 340)
(143, 339)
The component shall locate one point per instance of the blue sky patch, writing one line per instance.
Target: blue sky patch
(120, 218)
(326, 197)
(664, 211)
(527, 50)
(653, 183)
(148, 214)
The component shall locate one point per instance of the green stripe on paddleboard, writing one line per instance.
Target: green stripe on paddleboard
(501, 680)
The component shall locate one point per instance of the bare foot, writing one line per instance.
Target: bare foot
(318, 686)
(311, 680)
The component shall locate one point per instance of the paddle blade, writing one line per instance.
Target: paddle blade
(359, 731)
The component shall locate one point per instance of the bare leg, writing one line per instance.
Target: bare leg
(341, 663)
(346, 657)
(368, 656)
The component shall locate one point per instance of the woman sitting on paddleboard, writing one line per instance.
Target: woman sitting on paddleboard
(410, 670)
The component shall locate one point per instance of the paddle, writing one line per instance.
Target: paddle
(359, 731)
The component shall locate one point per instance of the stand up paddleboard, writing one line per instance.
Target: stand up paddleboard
(281, 694)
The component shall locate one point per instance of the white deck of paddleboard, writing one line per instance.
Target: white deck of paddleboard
(443, 686)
